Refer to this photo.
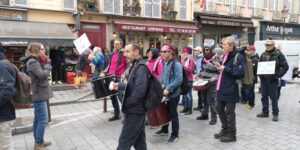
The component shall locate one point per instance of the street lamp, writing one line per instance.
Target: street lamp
(284, 14)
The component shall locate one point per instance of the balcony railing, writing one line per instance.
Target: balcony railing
(88, 6)
(235, 10)
(210, 8)
(293, 18)
(257, 13)
(132, 10)
(277, 15)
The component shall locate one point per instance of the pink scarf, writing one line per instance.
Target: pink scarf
(212, 58)
(221, 73)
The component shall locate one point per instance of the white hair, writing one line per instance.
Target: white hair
(198, 48)
(96, 49)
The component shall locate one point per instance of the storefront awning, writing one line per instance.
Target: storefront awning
(156, 26)
(17, 33)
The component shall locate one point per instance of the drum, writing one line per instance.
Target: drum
(100, 86)
(200, 85)
(159, 116)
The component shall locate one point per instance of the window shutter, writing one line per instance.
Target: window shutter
(117, 6)
(108, 6)
(182, 8)
(156, 8)
(19, 2)
(148, 8)
(69, 4)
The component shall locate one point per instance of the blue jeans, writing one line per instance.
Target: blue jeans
(40, 121)
(172, 105)
(188, 98)
(269, 88)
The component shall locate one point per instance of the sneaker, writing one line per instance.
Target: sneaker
(189, 112)
(59, 82)
(184, 110)
(247, 106)
(262, 115)
(197, 108)
(172, 139)
(213, 122)
(275, 118)
(161, 133)
(202, 117)
(243, 102)
(114, 118)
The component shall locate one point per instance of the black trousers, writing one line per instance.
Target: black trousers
(133, 133)
(226, 112)
(57, 73)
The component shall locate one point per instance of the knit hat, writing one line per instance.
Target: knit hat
(251, 48)
(270, 42)
(187, 50)
(167, 48)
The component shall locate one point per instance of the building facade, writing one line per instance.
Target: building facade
(247, 20)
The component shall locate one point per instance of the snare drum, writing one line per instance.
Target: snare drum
(200, 85)
(101, 86)
(159, 117)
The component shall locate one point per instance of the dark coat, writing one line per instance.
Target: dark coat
(57, 57)
(82, 62)
(7, 90)
(136, 90)
(229, 88)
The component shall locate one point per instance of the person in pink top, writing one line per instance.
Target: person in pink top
(188, 64)
(153, 63)
(117, 66)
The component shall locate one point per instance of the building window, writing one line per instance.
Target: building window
(243, 3)
(273, 4)
(131, 7)
(168, 4)
(112, 6)
(152, 8)
(221, 1)
(21, 3)
(182, 8)
(227, 2)
(208, 5)
(250, 3)
(69, 4)
(265, 4)
(233, 7)
(4, 2)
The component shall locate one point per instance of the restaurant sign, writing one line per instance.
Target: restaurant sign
(145, 28)
(226, 23)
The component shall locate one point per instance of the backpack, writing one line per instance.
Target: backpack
(154, 93)
(185, 88)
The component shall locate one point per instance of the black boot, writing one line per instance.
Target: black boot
(184, 110)
(213, 120)
(223, 132)
(202, 117)
(189, 112)
(229, 137)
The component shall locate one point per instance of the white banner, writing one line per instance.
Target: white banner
(82, 43)
(267, 67)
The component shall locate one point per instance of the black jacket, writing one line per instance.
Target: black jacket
(7, 89)
(281, 64)
(136, 89)
(57, 57)
(229, 88)
(81, 62)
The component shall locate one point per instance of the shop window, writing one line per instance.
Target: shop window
(182, 8)
(131, 8)
(88, 5)
(4, 2)
(152, 8)
(21, 3)
(112, 6)
(69, 4)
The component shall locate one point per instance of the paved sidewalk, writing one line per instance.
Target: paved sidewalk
(83, 126)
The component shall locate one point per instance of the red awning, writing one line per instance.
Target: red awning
(156, 26)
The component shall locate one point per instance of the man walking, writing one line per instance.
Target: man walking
(171, 81)
(7, 92)
(117, 67)
(133, 131)
(269, 83)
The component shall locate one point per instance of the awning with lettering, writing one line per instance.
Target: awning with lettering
(239, 22)
(156, 26)
(17, 33)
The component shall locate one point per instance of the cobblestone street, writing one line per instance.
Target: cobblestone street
(83, 126)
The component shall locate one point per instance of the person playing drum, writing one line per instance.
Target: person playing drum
(209, 72)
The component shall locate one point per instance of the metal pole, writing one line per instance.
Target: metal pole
(283, 34)
(105, 104)
(49, 112)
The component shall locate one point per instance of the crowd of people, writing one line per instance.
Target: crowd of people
(230, 74)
